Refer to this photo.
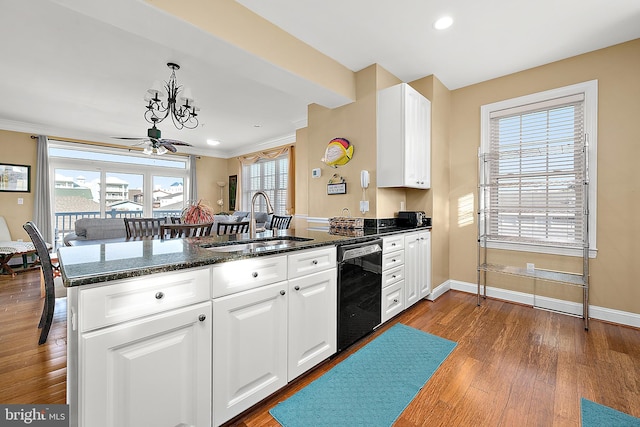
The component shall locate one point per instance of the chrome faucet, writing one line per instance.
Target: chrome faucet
(252, 218)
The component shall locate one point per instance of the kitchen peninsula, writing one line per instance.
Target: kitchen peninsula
(194, 331)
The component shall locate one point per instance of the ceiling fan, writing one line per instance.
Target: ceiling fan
(155, 144)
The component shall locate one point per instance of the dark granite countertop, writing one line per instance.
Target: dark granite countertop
(117, 259)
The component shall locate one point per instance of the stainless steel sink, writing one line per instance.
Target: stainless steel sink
(260, 245)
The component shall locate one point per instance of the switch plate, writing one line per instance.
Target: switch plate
(364, 206)
(20, 201)
(530, 267)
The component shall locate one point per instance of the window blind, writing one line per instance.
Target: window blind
(535, 172)
(270, 176)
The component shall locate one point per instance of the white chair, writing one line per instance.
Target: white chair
(5, 235)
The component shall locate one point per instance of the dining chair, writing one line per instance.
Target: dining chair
(280, 222)
(232, 227)
(47, 271)
(185, 230)
(143, 227)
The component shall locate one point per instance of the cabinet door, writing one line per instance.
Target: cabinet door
(417, 136)
(425, 264)
(412, 269)
(404, 138)
(149, 372)
(250, 351)
(312, 321)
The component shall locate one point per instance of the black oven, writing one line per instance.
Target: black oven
(359, 290)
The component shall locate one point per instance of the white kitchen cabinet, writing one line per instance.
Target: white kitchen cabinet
(417, 267)
(393, 276)
(404, 138)
(312, 320)
(250, 348)
(269, 333)
(154, 371)
(392, 300)
(139, 351)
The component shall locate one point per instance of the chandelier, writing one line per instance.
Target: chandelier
(179, 104)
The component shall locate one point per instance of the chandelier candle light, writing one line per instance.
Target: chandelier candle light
(183, 116)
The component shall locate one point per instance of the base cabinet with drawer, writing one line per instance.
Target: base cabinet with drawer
(271, 331)
(393, 276)
(139, 351)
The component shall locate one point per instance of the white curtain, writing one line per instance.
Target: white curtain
(193, 187)
(42, 213)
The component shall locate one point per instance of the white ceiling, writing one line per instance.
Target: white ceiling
(80, 68)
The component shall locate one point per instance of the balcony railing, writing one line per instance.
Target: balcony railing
(65, 221)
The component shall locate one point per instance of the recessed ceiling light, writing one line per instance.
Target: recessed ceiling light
(213, 142)
(443, 23)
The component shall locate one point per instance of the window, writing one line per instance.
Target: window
(537, 151)
(104, 183)
(270, 176)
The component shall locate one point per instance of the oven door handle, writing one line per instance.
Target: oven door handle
(360, 252)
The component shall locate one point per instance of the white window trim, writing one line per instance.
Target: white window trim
(590, 91)
(148, 172)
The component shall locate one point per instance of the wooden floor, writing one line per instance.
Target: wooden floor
(514, 365)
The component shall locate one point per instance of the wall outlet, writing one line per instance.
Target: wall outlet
(530, 267)
(364, 206)
(20, 201)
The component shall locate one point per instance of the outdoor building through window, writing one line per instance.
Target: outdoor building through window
(99, 182)
(538, 170)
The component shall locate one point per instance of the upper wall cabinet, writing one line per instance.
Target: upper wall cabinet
(404, 138)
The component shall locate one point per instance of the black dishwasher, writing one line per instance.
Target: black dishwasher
(359, 290)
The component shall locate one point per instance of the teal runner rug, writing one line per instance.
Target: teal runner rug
(596, 415)
(372, 386)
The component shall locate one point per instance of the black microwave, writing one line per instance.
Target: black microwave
(413, 219)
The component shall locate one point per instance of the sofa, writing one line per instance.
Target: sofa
(114, 228)
(96, 229)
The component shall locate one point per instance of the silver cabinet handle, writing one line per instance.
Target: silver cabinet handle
(314, 262)
(159, 295)
(202, 317)
(254, 274)
(393, 244)
(393, 277)
(297, 288)
(393, 260)
(282, 292)
(395, 300)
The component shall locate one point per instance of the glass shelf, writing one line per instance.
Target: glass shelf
(575, 279)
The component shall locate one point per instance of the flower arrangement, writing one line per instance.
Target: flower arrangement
(197, 213)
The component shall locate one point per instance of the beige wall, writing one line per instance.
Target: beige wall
(355, 122)
(209, 171)
(615, 271)
(18, 148)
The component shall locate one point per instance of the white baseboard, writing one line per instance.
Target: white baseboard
(439, 291)
(595, 312)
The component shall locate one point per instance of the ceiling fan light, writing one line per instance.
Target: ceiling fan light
(147, 150)
(161, 150)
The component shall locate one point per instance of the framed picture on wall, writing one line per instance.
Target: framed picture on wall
(15, 178)
(233, 185)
